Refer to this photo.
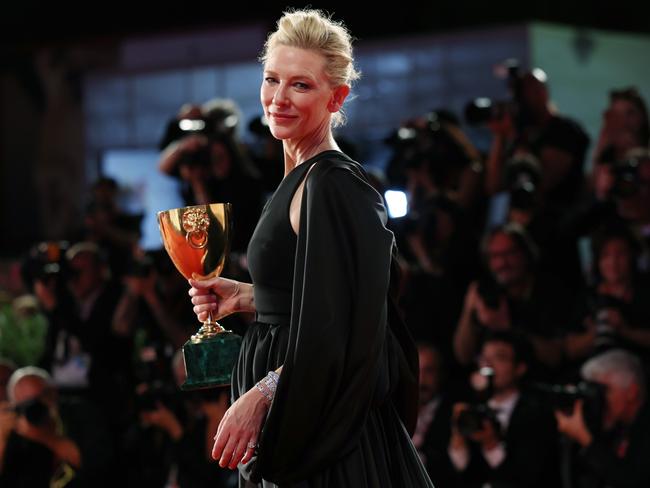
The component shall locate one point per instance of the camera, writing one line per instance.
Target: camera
(471, 419)
(626, 173)
(523, 175)
(606, 335)
(489, 291)
(425, 141)
(563, 398)
(45, 262)
(481, 110)
(35, 412)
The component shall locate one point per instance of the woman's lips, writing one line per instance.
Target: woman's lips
(283, 117)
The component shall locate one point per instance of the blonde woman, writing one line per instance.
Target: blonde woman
(327, 375)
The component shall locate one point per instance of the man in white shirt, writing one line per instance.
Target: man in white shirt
(514, 442)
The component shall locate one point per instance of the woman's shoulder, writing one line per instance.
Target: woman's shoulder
(337, 181)
(336, 169)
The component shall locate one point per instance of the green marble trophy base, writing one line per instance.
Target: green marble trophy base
(210, 362)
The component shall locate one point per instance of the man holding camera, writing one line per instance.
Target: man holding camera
(45, 443)
(531, 125)
(507, 439)
(615, 453)
(620, 179)
(516, 296)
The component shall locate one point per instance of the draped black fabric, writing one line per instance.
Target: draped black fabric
(333, 421)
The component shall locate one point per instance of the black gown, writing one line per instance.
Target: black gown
(349, 380)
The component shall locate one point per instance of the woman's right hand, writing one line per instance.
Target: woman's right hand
(219, 297)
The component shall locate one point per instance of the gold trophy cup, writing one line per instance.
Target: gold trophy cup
(197, 241)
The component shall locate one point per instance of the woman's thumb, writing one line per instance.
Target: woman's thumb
(196, 283)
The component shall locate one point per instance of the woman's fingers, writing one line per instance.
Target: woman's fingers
(250, 450)
(228, 451)
(203, 284)
(219, 444)
(238, 453)
(194, 292)
(202, 299)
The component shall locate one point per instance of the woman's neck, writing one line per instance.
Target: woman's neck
(298, 151)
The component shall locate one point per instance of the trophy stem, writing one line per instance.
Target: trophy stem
(209, 329)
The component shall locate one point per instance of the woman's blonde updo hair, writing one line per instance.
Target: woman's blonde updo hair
(314, 30)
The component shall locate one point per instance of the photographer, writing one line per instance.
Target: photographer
(617, 456)
(172, 439)
(529, 125)
(558, 254)
(107, 225)
(213, 165)
(83, 352)
(433, 156)
(507, 439)
(620, 179)
(614, 312)
(44, 442)
(625, 126)
(437, 236)
(153, 303)
(515, 296)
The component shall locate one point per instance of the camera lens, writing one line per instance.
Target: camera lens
(469, 421)
(36, 412)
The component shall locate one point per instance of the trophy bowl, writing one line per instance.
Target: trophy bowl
(197, 241)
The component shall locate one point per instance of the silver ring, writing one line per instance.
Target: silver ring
(251, 445)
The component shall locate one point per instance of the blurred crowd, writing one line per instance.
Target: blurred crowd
(524, 281)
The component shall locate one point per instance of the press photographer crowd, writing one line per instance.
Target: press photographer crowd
(524, 281)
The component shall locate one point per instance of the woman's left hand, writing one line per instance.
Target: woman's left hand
(239, 429)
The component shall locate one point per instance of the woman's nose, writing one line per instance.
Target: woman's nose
(280, 96)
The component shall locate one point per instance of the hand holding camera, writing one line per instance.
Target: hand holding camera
(476, 421)
(7, 421)
(502, 125)
(573, 425)
(193, 143)
(579, 408)
(31, 420)
(489, 306)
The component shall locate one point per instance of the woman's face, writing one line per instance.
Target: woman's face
(296, 94)
(614, 262)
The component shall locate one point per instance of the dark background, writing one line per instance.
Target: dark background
(48, 48)
(30, 23)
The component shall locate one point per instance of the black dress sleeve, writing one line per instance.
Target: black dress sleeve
(337, 336)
